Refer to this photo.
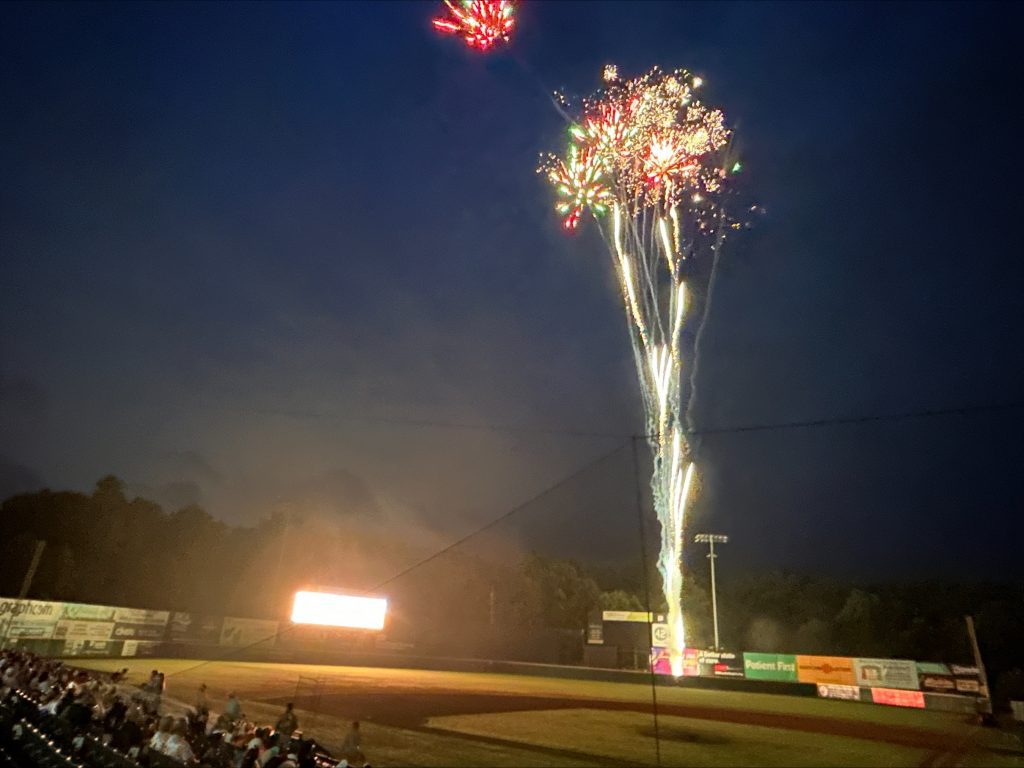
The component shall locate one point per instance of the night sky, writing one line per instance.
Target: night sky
(244, 245)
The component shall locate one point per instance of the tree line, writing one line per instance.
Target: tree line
(107, 548)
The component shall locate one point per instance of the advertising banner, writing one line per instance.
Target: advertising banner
(82, 612)
(720, 663)
(138, 648)
(29, 619)
(691, 662)
(659, 635)
(836, 670)
(140, 616)
(887, 673)
(138, 632)
(12, 608)
(194, 628)
(895, 697)
(641, 616)
(770, 666)
(661, 664)
(595, 632)
(844, 692)
(137, 624)
(966, 679)
(935, 678)
(244, 632)
(90, 648)
(69, 629)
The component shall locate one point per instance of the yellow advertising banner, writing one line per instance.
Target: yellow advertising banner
(835, 670)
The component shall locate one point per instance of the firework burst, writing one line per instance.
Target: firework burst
(647, 151)
(482, 23)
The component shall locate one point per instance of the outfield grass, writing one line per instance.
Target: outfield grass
(586, 733)
(629, 737)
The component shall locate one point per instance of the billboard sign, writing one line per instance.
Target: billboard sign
(90, 648)
(966, 679)
(887, 673)
(659, 635)
(843, 692)
(124, 631)
(720, 664)
(661, 664)
(195, 627)
(770, 666)
(935, 678)
(29, 619)
(691, 662)
(140, 616)
(834, 670)
(896, 697)
(82, 612)
(40, 609)
(641, 616)
(72, 630)
(244, 632)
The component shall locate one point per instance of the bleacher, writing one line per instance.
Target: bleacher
(32, 738)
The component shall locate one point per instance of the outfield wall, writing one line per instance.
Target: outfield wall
(74, 630)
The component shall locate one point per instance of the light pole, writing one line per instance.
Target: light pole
(711, 539)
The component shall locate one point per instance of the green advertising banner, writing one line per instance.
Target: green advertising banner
(770, 666)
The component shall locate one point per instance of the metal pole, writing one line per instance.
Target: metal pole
(714, 596)
(647, 602)
(711, 539)
(982, 677)
(31, 572)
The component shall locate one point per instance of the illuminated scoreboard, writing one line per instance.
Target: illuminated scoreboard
(330, 609)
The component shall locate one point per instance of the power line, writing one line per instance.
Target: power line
(968, 410)
(440, 424)
(504, 516)
(501, 518)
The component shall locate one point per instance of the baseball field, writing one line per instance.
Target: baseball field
(431, 718)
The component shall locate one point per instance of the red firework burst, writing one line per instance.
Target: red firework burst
(482, 23)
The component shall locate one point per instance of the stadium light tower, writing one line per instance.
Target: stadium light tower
(711, 539)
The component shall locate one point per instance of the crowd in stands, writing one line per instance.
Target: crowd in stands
(52, 715)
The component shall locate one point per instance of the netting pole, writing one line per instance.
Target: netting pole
(647, 598)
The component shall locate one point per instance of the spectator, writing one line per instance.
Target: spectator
(249, 759)
(115, 715)
(351, 747)
(220, 753)
(177, 746)
(268, 757)
(163, 732)
(287, 723)
(233, 709)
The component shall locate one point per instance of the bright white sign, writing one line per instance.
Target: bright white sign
(333, 610)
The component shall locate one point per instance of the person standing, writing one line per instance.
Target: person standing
(287, 723)
(352, 746)
(233, 709)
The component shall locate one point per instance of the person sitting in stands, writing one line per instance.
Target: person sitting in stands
(177, 746)
(220, 753)
(163, 733)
